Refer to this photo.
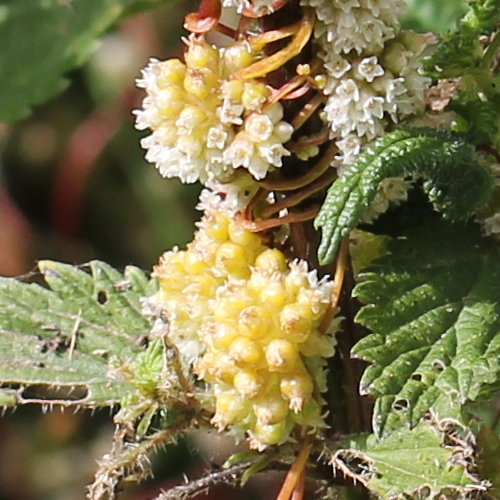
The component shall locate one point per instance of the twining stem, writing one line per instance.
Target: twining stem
(298, 492)
(307, 111)
(257, 226)
(257, 197)
(338, 282)
(298, 80)
(296, 471)
(312, 174)
(278, 59)
(295, 198)
(313, 140)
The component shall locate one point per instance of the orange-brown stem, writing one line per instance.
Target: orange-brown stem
(338, 282)
(313, 140)
(296, 198)
(296, 471)
(257, 226)
(298, 492)
(317, 171)
(257, 197)
(278, 59)
(307, 111)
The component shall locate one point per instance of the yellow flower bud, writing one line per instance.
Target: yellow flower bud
(172, 71)
(268, 434)
(270, 409)
(229, 408)
(231, 258)
(220, 335)
(201, 55)
(237, 56)
(245, 352)
(296, 321)
(297, 387)
(254, 95)
(271, 260)
(254, 322)
(216, 227)
(242, 236)
(281, 355)
(274, 293)
(248, 383)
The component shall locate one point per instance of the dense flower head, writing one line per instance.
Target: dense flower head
(248, 322)
(367, 93)
(206, 125)
(362, 26)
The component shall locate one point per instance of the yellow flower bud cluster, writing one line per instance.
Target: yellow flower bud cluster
(206, 124)
(248, 323)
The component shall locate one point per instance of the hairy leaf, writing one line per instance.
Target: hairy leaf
(43, 39)
(459, 51)
(454, 181)
(480, 120)
(416, 463)
(55, 343)
(433, 307)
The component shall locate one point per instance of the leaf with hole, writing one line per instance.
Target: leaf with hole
(433, 308)
(55, 342)
(416, 463)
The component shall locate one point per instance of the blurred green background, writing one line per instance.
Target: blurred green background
(73, 187)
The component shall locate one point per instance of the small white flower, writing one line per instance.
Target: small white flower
(337, 66)
(347, 91)
(216, 137)
(230, 113)
(259, 127)
(369, 69)
(373, 107)
(283, 131)
(240, 151)
(273, 153)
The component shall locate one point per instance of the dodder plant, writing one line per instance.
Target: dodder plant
(350, 212)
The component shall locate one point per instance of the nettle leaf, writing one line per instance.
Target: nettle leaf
(454, 181)
(424, 462)
(43, 39)
(55, 342)
(433, 307)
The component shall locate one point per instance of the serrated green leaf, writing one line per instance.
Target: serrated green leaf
(55, 343)
(433, 307)
(406, 463)
(43, 39)
(454, 181)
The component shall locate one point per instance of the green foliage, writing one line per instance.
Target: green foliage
(433, 306)
(43, 39)
(55, 343)
(459, 52)
(429, 15)
(454, 181)
(479, 120)
(412, 463)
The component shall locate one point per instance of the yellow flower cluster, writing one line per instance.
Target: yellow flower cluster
(247, 321)
(206, 124)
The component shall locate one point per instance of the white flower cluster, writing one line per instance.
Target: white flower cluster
(206, 125)
(356, 25)
(371, 69)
